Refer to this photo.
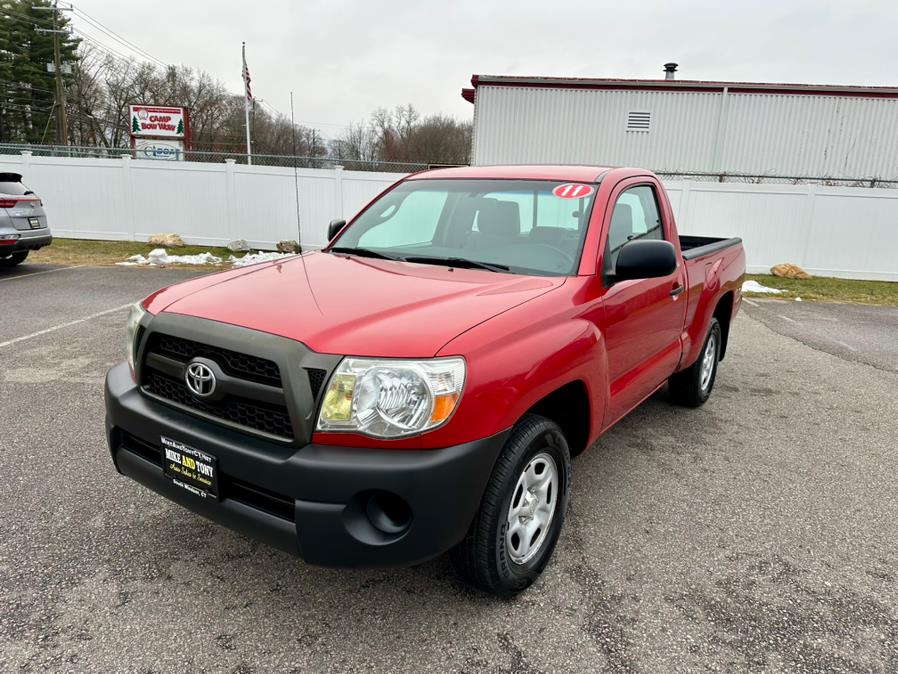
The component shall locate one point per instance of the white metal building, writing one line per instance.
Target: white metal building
(683, 126)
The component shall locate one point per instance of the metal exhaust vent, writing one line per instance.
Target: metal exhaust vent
(639, 121)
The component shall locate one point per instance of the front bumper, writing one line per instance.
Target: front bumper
(315, 501)
(25, 242)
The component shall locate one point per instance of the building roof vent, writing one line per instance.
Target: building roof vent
(669, 70)
(639, 120)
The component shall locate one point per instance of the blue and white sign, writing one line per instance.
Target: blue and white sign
(150, 148)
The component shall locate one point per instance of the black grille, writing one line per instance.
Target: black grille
(257, 497)
(274, 419)
(316, 379)
(143, 449)
(242, 365)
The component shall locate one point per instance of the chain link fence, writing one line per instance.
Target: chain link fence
(289, 161)
(286, 161)
(749, 179)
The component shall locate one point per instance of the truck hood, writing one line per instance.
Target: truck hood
(358, 306)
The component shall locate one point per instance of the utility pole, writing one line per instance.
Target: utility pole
(62, 122)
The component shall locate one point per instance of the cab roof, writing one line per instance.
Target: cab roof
(581, 174)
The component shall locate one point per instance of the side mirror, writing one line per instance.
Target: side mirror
(645, 259)
(334, 228)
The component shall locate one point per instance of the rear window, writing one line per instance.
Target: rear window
(15, 189)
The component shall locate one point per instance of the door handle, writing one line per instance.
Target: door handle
(677, 290)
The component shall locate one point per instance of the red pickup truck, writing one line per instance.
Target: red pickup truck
(421, 384)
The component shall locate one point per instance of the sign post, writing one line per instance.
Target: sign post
(159, 132)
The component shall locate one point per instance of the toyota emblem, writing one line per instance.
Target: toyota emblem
(200, 379)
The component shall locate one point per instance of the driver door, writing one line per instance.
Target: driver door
(643, 317)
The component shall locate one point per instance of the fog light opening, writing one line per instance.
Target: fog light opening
(388, 513)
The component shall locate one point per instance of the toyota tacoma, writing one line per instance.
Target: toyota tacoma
(421, 383)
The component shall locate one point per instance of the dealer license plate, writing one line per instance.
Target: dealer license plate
(35, 223)
(189, 468)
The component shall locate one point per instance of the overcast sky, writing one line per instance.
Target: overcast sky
(345, 58)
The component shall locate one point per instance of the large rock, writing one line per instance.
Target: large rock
(167, 240)
(289, 247)
(238, 246)
(790, 271)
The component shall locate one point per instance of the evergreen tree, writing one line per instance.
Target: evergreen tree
(135, 125)
(27, 90)
(180, 130)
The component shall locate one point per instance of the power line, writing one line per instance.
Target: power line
(143, 53)
(26, 87)
(102, 46)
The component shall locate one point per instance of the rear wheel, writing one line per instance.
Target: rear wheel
(14, 259)
(521, 513)
(692, 386)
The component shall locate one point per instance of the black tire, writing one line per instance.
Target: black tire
(483, 558)
(14, 259)
(686, 386)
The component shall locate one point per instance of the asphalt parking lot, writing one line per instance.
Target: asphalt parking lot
(757, 533)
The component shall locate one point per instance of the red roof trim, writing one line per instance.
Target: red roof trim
(684, 85)
(468, 95)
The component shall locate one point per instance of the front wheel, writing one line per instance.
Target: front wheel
(692, 387)
(521, 513)
(14, 259)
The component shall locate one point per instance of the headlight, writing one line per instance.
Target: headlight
(391, 398)
(134, 318)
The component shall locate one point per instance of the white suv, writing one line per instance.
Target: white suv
(23, 222)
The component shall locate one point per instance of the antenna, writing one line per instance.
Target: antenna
(302, 255)
(295, 171)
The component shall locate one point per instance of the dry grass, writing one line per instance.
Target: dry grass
(823, 289)
(99, 253)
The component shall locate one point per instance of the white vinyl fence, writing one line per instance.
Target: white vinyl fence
(850, 232)
(207, 204)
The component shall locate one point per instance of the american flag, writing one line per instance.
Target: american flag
(246, 79)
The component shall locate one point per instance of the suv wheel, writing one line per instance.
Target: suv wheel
(692, 387)
(14, 259)
(521, 513)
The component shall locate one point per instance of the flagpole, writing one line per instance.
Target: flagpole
(249, 151)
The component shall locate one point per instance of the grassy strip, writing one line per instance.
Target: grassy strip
(822, 289)
(82, 251)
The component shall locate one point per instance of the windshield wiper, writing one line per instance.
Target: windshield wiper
(363, 252)
(458, 262)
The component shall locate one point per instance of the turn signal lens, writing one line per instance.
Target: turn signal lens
(442, 407)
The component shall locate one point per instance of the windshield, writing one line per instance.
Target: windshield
(518, 226)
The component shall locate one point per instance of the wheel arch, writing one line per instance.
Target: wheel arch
(723, 312)
(568, 406)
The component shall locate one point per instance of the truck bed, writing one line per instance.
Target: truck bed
(698, 246)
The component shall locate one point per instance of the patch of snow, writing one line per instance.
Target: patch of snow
(257, 258)
(159, 256)
(755, 287)
(798, 299)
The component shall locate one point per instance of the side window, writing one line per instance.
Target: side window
(635, 216)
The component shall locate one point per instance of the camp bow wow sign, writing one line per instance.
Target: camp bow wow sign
(159, 132)
(149, 121)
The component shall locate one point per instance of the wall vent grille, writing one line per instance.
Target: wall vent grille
(639, 121)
